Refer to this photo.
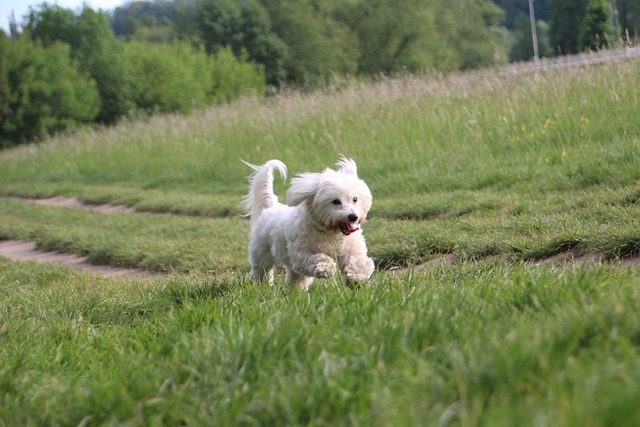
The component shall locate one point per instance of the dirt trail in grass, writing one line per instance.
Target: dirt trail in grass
(28, 251)
(17, 250)
(570, 257)
(75, 203)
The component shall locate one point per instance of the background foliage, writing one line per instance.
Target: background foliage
(97, 76)
(507, 173)
(173, 56)
(42, 90)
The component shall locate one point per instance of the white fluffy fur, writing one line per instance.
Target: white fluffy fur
(317, 233)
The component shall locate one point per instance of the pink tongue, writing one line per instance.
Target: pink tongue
(348, 229)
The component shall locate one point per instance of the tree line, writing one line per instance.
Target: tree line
(63, 69)
(60, 68)
(570, 26)
(308, 41)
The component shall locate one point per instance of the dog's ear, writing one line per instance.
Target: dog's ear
(347, 166)
(303, 187)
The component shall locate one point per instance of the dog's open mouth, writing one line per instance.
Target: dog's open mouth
(348, 228)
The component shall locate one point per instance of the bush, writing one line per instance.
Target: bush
(178, 77)
(93, 46)
(42, 91)
(232, 77)
(167, 77)
(99, 54)
(594, 30)
(246, 28)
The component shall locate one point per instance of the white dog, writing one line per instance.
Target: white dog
(317, 233)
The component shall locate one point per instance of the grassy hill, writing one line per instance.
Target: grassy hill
(523, 166)
(503, 171)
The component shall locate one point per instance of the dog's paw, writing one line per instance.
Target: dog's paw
(360, 271)
(325, 269)
(356, 278)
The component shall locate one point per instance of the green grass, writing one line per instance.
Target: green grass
(474, 344)
(525, 165)
(155, 242)
(500, 171)
(560, 130)
(606, 226)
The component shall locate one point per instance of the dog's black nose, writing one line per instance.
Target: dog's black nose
(352, 217)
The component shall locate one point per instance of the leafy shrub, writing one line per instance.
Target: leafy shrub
(93, 46)
(246, 28)
(167, 77)
(41, 91)
(233, 77)
(594, 30)
(178, 77)
(99, 54)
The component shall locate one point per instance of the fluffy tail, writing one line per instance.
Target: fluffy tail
(261, 195)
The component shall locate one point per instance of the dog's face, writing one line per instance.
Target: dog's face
(339, 201)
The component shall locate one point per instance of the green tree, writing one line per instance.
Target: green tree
(395, 35)
(42, 90)
(566, 20)
(167, 78)
(259, 43)
(158, 20)
(232, 77)
(95, 48)
(629, 18)
(52, 23)
(245, 27)
(514, 8)
(101, 56)
(522, 47)
(477, 35)
(318, 46)
(179, 77)
(417, 35)
(594, 30)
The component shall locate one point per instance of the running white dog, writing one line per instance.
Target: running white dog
(319, 232)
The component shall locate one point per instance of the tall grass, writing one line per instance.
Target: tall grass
(556, 130)
(476, 344)
(478, 164)
(500, 169)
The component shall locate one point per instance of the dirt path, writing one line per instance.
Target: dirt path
(569, 257)
(75, 203)
(17, 250)
(27, 251)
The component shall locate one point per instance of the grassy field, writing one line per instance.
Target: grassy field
(474, 344)
(502, 171)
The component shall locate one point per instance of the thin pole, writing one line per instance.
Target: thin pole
(534, 33)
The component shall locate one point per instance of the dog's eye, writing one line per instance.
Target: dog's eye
(336, 202)
(355, 199)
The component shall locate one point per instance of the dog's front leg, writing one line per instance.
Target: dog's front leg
(314, 265)
(357, 269)
(298, 281)
(355, 265)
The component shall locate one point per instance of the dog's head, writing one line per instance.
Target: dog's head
(338, 200)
